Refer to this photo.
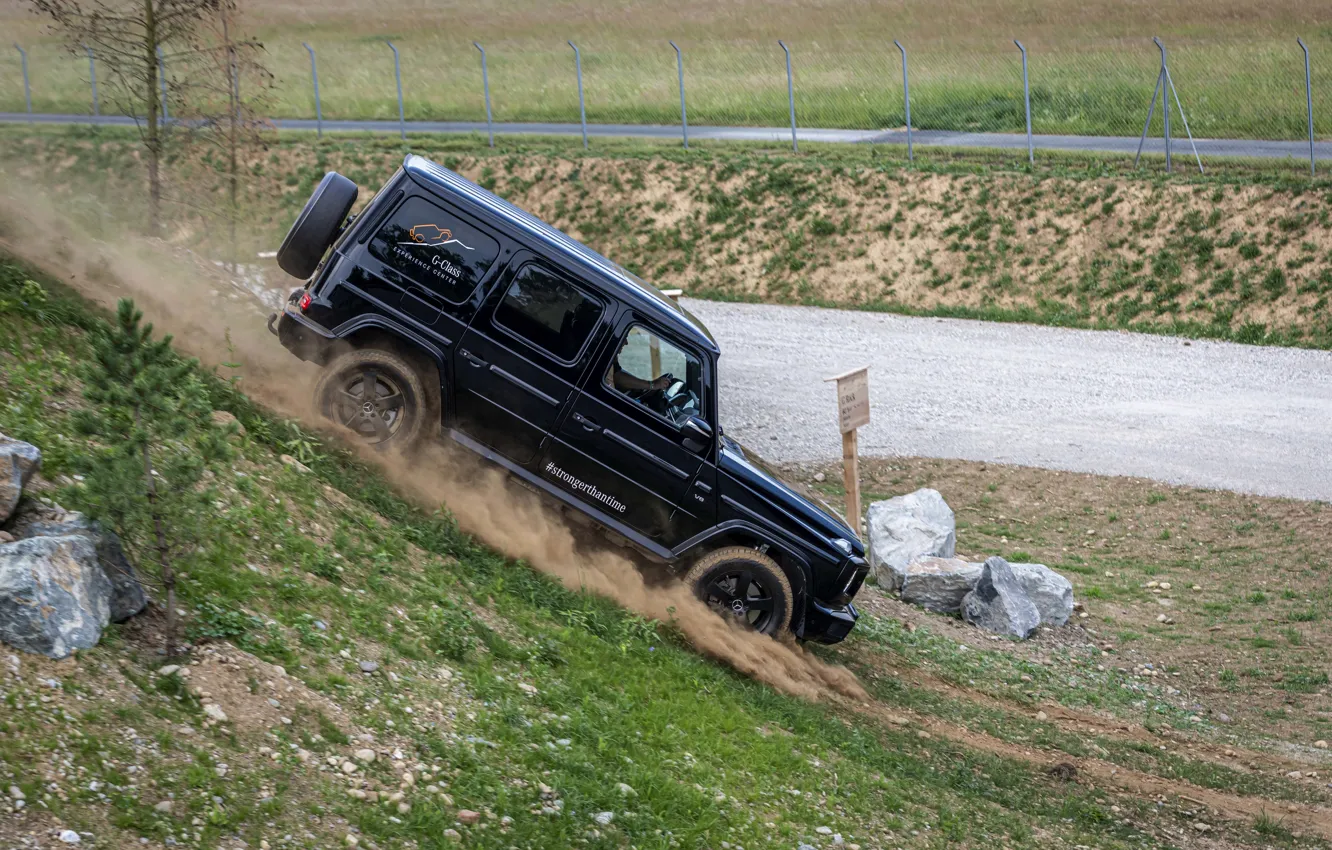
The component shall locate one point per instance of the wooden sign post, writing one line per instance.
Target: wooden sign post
(853, 411)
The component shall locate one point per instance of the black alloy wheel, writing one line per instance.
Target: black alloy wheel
(379, 396)
(745, 585)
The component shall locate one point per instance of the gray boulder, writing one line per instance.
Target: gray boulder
(55, 597)
(18, 462)
(907, 528)
(127, 594)
(938, 584)
(1051, 592)
(999, 603)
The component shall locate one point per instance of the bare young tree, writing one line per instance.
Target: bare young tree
(224, 104)
(125, 36)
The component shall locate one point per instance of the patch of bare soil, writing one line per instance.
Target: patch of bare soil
(1228, 591)
(1301, 818)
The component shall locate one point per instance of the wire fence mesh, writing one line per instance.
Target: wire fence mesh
(1229, 88)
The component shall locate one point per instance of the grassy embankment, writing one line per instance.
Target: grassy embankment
(1246, 257)
(1236, 64)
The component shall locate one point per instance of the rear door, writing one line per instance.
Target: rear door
(519, 363)
(620, 450)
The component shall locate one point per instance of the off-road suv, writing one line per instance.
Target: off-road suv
(443, 310)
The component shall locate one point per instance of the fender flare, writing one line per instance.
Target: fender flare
(787, 555)
(414, 344)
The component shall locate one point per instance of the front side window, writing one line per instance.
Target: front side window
(657, 374)
(435, 248)
(548, 312)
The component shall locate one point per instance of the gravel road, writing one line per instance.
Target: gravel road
(1208, 414)
(1290, 149)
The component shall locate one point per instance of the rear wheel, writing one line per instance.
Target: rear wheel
(378, 395)
(746, 585)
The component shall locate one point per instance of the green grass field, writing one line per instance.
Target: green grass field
(1236, 64)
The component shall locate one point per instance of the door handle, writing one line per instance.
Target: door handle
(588, 424)
(472, 358)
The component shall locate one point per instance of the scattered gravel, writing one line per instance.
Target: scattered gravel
(1194, 412)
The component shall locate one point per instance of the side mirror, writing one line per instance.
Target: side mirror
(697, 434)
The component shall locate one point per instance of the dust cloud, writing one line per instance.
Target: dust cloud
(217, 323)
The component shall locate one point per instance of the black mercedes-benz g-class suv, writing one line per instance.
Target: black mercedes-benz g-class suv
(443, 309)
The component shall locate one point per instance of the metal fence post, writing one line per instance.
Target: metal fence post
(161, 76)
(1026, 97)
(92, 78)
(397, 74)
(1165, 101)
(314, 75)
(684, 116)
(485, 84)
(582, 108)
(790, 94)
(1308, 97)
(27, 90)
(906, 99)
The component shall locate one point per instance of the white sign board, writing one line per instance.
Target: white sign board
(853, 409)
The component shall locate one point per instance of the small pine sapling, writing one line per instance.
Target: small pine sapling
(154, 445)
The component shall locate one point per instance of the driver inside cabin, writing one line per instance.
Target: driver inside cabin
(647, 368)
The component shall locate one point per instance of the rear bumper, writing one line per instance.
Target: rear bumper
(829, 623)
(301, 336)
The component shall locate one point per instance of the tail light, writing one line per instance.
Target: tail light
(304, 303)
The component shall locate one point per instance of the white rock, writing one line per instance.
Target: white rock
(164, 807)
(169, 670)
(907, 528)
(69, 836)
(366, 755)
(1048, 590)
(625, 790)
(824, 830)
(938, 584)
(604, 818)
(215, 711)
(19, 461)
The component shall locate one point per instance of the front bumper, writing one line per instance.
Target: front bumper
(829, 623)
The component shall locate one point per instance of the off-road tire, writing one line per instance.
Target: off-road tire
(317, 225)
(406, 408)
(710, 580)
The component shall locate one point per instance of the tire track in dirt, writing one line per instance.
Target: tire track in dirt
(1095, 772)
(1081, 723)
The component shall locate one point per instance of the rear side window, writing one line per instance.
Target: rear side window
(548, 312)
(435, 248)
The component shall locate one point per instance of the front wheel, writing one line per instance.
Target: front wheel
(378, 395)
(746, 585)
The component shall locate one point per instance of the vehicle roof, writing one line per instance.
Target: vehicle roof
(622, 283)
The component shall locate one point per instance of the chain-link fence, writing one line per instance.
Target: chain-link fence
(1229, 88)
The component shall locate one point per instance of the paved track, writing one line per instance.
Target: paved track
(1089, 144)
(1208, 414)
